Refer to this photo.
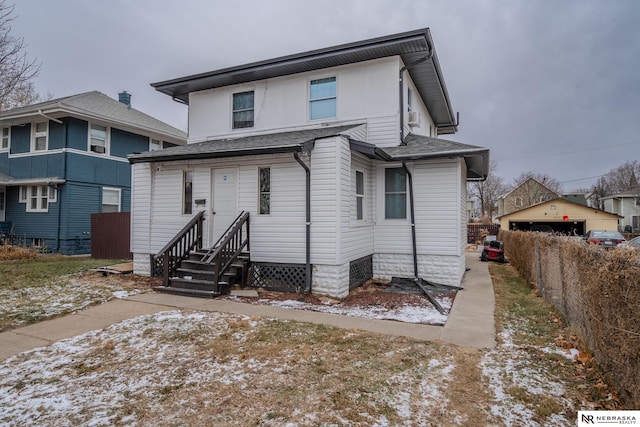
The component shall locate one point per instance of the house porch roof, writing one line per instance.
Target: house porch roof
(416, 148)
(10, 181)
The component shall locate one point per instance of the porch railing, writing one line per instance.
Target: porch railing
(230, 245)
(188, 239)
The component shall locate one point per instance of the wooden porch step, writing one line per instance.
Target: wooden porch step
(187, 292)
(180, 282)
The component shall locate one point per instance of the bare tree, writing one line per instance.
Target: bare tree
(17, 71)
(544, 179)
(487, 192)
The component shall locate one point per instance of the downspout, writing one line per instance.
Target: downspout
(413, 220)
(60, 193)
(307, 285)
(401, 90)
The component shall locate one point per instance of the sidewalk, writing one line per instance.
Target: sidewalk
(470, 322)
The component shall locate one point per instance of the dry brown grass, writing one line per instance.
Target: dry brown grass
(12, 252)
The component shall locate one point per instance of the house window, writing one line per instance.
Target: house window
(37, 197)
(409, 100)
(264, 176)
(243, 110)
(395, 193)
(518, 202)
(637, 201)
(6, 136)
(154, 144)
(359, 195)
(110, 199)
(635, 222)
(187, 192)
(322, 98)
(98, 139)
(39, 136)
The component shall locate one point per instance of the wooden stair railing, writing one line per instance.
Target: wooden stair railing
(188, 239)
(230, 245)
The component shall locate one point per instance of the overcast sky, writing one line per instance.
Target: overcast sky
(550, 86)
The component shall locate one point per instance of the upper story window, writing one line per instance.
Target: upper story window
(154, 144)
(409, 100)
(37, 197)
(40, 136)
(359, 195)
(243, 110)
(110, 199)
(322, 98)
(98, 139)
(395, 193)
(5, 135)
(264, 175)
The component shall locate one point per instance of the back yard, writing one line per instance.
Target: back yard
(195, 368)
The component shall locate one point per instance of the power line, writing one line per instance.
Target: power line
(608, 147)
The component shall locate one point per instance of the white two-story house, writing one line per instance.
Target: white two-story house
(335, 155)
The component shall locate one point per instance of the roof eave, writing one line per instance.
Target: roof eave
(142, 158)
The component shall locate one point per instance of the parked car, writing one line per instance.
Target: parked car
(604, 238)
(634, 243)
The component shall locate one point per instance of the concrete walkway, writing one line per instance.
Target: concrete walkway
(470, 322)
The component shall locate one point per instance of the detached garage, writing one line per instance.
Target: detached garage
(559, 215)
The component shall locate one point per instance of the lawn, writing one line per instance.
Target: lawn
(196, 368)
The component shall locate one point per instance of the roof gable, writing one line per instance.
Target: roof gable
(529, 181)
(410, 46)
(559, 200)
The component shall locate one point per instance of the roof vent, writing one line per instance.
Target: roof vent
(125, 98)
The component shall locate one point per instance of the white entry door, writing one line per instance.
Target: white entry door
(224, 185)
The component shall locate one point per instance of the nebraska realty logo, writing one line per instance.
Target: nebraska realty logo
(620, 418)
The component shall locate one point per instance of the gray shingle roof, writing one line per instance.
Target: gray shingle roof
(100, 106)
(282, 142)
(416, 148)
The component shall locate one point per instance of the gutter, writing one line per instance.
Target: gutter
(307, 285)
(401, 90)
(413, 221)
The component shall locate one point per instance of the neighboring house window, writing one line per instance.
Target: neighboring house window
(187, 192)
(637, 201)
(518, 202)
(110, 199)
(243, 110)
(410, 101)
(635, 222)
(98, 139)
(264, 176)
(6, 136)
(395, 193)
(154, 145)
(322, 98)
(37, 197)
(359, 195)
(40, 136)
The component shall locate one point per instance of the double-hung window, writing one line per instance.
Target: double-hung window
(155, 144)
(322, 98)
(98, 139)
(243, 110)
(37, 197)
(110, 199)
(264, 177)
(359, 195)
(40, 136)
(395, 193)
(187, 192)
(5, 136)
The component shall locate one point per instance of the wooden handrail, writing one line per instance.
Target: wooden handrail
(227, 236)
(178, 248)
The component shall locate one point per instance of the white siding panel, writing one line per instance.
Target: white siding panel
(358, 236)
(383, 131)
(140, 207)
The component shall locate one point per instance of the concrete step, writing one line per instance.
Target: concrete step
(186, 292)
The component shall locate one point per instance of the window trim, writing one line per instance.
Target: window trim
(187, 205)
(34, 136)
(107, 130)
(116, 189)
(385, 193)
(25, 195)
(260, 192)
(310, 100)
(361, 197)
(518, 202)
(4, 138)
(252, 109)
(151, 145)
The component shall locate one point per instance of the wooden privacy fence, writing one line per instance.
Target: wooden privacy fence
(110, 237)
(474, 230)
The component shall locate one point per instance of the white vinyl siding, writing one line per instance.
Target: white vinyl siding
(358, 236)
(140, 207)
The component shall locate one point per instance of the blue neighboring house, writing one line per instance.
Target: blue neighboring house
(64, 159)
